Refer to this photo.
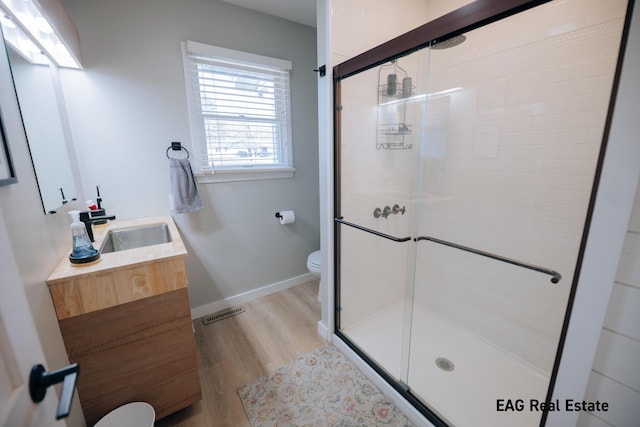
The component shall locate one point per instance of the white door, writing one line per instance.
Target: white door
(20, 349)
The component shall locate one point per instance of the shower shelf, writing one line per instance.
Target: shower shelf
(383, 91)
(395, 129)
(393, 146)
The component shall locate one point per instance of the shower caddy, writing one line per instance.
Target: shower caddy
(395, 87)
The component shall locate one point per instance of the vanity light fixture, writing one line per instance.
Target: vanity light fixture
(28, 29)
(21, 42)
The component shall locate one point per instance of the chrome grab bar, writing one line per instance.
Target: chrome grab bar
(368, 230)
(555, 276)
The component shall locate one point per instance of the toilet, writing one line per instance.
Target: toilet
(135, 414)
(314, 263)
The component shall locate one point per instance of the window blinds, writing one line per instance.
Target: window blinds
(239, 105)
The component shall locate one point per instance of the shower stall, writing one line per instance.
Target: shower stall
(466, 161)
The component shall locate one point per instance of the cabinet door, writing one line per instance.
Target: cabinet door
(139, 351)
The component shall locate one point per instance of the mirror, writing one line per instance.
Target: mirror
(38, 88)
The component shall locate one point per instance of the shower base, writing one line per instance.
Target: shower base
(468, 394)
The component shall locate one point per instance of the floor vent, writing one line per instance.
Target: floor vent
(223, 314)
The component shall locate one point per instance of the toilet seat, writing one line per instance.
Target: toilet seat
(314, 262)
(315, 258)
(135, 414)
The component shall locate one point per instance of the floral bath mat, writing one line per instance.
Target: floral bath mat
(320, 389)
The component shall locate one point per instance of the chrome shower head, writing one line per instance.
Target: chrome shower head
(452, 42)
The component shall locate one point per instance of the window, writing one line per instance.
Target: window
(240, 113)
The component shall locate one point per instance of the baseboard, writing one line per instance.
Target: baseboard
(405, 407)
(323, 331)
(216, 306)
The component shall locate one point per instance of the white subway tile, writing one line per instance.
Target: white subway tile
(617, 358)
(582, 199)
(605, 13)
(566, 24)
(586, 419)
(574, 136)
(572, 104)
(573, 182)
(624, 403)
(548, 121)
(589, 84)
(588, 166)
(629, 267)
(634, 222)
(565, 166)
(623, 315)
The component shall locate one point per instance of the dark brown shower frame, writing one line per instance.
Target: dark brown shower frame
(469, 17)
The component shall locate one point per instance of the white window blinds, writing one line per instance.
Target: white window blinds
(239, 106)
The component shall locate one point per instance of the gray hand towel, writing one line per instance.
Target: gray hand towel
(183, 187)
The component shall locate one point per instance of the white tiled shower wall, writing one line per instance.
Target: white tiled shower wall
(510, 172)
(523, 142)
(359, 25)
(615, 377)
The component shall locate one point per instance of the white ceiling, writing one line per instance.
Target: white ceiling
(300, 11)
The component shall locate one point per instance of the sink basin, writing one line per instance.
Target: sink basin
(135, 237)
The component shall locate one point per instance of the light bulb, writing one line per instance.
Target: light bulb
(8, 22)
(43, 25)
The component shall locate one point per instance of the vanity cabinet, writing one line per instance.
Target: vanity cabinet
(126, 321)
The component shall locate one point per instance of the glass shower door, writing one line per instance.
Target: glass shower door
(516, 117)
(375, 208)
(464, 176)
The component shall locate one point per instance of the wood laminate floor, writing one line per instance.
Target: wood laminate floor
(273, 331)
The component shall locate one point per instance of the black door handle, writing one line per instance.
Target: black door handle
(40, 380)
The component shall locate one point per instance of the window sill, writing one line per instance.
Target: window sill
(252, 174)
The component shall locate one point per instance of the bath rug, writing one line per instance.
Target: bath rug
(320, 389)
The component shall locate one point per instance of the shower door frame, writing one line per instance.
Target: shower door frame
(459, 21)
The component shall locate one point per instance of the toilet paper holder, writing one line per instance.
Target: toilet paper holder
(286, 217)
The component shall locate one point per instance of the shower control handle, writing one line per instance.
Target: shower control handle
(386, 211)
(396, 208)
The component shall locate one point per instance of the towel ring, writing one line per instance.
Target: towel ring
(176, 146)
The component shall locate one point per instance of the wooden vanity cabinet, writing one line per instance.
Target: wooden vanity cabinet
(138, 351)
(129, 328)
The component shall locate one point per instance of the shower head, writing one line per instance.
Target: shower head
(452, 42)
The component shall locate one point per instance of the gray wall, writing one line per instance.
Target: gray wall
(125, 108)
(129, 103)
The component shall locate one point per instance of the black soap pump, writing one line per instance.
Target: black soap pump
(82, 250)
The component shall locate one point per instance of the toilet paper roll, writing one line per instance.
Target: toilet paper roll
(287, 217)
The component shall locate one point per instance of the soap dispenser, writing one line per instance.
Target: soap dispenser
(82, 250)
